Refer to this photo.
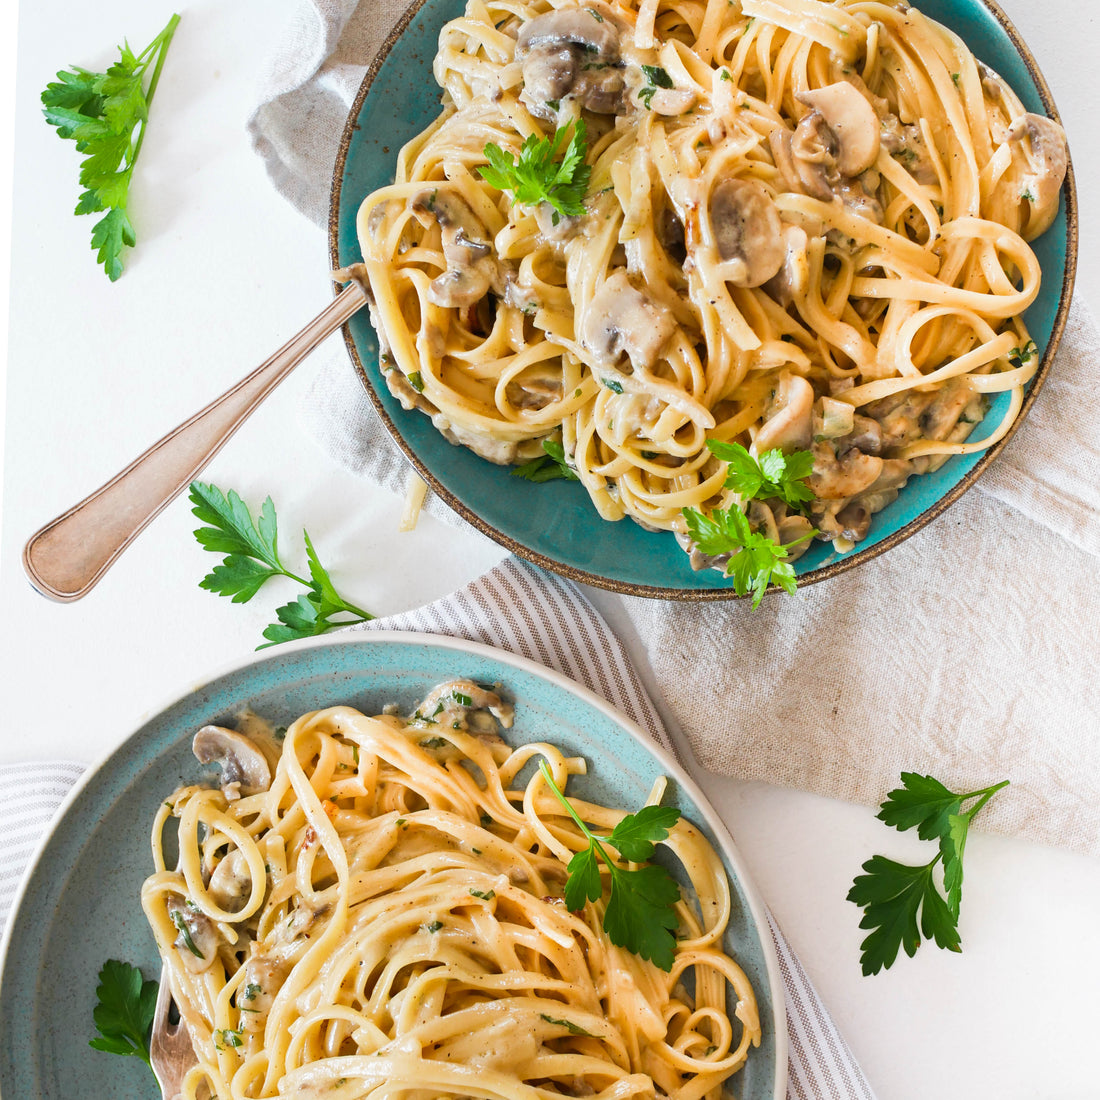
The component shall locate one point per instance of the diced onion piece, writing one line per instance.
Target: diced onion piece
(837, 418)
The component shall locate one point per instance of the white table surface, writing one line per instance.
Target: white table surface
(224, 272)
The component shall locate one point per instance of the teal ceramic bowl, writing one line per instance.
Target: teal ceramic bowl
(554, 524)
(80, 903)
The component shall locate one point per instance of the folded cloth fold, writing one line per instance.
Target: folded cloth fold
(522, 609)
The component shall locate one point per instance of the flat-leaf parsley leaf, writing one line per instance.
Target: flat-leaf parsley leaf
(124, 1015)
(252, 558)
(773, 474)
(640, 913)
(755, 560)
(548, 466)
(537, 176)
(106, 114)
(902, 903)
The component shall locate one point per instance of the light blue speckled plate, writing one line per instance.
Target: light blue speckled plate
(554, 524)
(80, 904)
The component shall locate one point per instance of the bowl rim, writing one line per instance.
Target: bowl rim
(731, 855)
(694, 595)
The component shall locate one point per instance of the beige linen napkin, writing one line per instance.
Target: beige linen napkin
(967, 652)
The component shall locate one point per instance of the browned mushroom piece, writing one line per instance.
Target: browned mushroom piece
(747, 232)
(1044, 144)
(794, 529)
(793, 276)
(813, 157)
(198, 939)
(572, 53)
(762, 519)
(467, 703)
(245, 770)
(852, 121)
(622, 318)
(471, 266)
(836, 477)
(231, 882)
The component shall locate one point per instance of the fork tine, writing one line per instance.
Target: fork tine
(170, 1049)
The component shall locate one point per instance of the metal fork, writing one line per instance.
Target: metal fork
(170, 1050)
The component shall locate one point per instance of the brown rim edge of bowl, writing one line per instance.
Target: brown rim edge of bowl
(692, 595)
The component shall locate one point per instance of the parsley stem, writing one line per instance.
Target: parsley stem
(545, 770)
(160, 43)
(986, 794)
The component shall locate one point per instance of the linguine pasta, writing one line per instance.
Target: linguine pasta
(374, 907)
(806, 228)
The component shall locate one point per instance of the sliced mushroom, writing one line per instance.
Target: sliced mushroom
(793, 277)
(670, 232)
(789, 419)
(762, 519)
(894, 474)
(672, 102)
(838, 477)
(1044, 145)
(231, 883)
(622, 318)
(779, 139)
(813, 156)
(198, 940)
(471, 266)
(747, 232)
(594, 30)
(791, 529)
(532, 391)
(555, 226)
(942, 414)
(264, 975)
(866, 435)
(853, 122)
(463, 701)
(899, 418)
(245, 770)
(572, 52)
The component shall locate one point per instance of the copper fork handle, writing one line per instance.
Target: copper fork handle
(67, 557)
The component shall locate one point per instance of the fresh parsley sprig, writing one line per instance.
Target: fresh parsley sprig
(252, 558)
(106, 114)
(537, 176)
(640, 913)
(124, 1014)
(548, 466)
(773, 474)
(756, 560)
(902, 903)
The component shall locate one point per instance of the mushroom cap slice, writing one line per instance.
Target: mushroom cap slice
(839, 477)
(244, 767)
(619, 318)
(850, 116)
(746, 231)
(587, 27)
(1047, 159)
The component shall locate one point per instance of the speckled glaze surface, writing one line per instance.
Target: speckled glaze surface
(554, 524)
(80, 904)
